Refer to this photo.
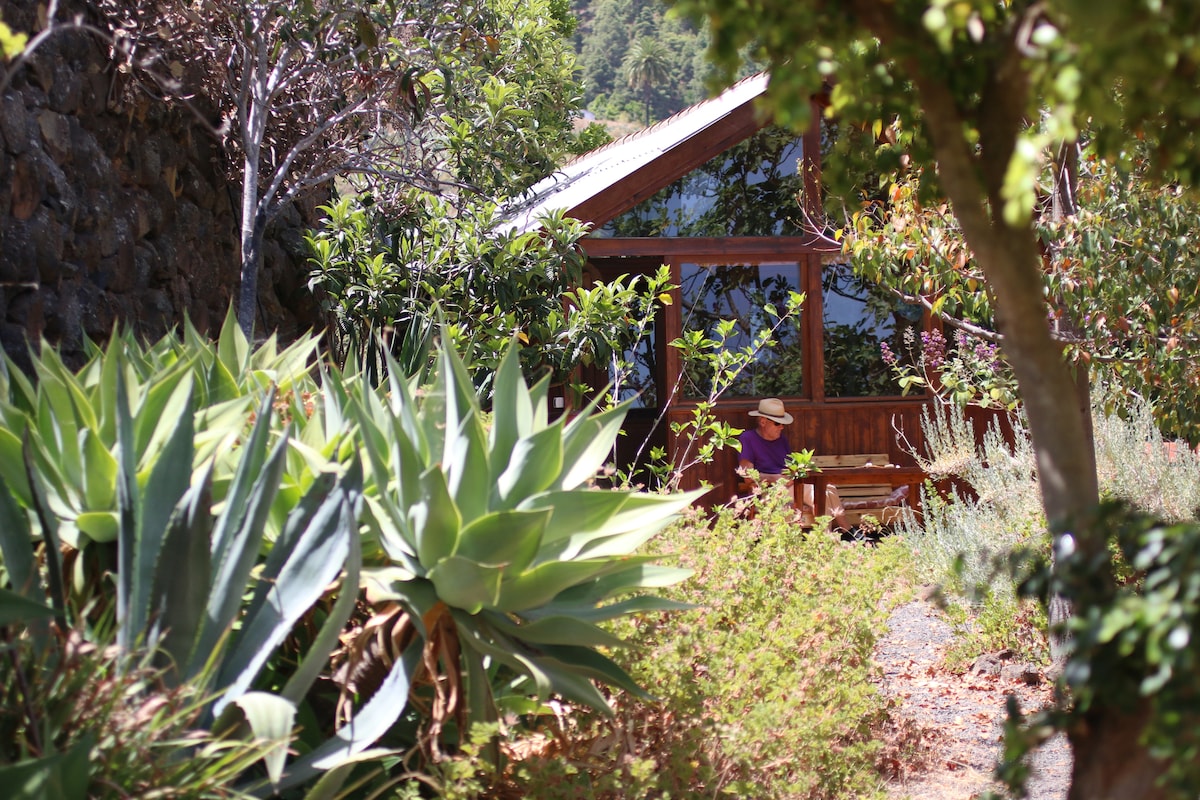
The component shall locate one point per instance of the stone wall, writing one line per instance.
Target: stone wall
(113, 207)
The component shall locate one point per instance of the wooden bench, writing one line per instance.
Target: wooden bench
(868, 483)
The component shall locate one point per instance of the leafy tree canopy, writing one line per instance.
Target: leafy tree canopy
(984, 96)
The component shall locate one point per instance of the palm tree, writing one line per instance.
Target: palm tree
(647, 64)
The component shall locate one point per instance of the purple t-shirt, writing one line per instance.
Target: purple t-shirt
(767, 457)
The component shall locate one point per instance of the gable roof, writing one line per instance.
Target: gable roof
(600, 185)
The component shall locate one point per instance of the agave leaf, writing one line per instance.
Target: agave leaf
(238, 533)
(251, 463)
(128, 522)
(16, 544)
(638, 520)
(183, 574)
(329, 785)
(481, 700)
(324, 484)
(54, 575)
(262, 357)
(373, 443)
(469, 585)
(539, 401)
(375, 718)
(419, 597)
(639, 575)
(233, 350)
(314, 561)
(99, 526)
(540, 585)
(573, 687)
(465, 461)
(549, 675)
(168, 482)
(165, 402)
(59, 439)
(574, 512)
(512, 411)
(592, 613)
(650, 509)
(588, 662)
(317, 656)
(219, 425)
(434, 519)
(334, 402)
(536, 463)
(110, 368)
(403, 405)
(384, 584)
(416, 594)
(293, 364)
(588, 443)
(52, 388)
(508, 539)
(81, 403)
(459, 391)
(395, 537)
(18, 609)
(617, 545)
(60, 776)
(12, 466)
(270, 718)
(556, 629)
(20, 389)
(487, 641)
(99, 474)
(406, 460)
(220, 383)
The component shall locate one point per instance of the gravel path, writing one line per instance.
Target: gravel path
(959, 717)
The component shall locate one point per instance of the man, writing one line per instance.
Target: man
(765, 449)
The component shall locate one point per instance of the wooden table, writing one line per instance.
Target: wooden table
(894, 476)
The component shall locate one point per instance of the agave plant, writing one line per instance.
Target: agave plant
(184, 571)
(502, 555)
(70, 416)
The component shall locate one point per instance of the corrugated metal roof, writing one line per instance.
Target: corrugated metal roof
(590, 174)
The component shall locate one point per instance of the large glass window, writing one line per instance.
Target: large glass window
(858, 318)
(739, 293)
(749, 190)
(634, 372)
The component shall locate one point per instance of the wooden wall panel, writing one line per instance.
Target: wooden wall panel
(828, 429)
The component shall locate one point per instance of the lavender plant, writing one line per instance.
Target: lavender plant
(969, 370)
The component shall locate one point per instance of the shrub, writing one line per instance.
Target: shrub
(763, 689)
(962, 533)
(1135, 464)
(965, 538)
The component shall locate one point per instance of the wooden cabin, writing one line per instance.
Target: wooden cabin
(721, 196)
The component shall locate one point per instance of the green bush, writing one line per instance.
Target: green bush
(240, 519)
(762, 690)
(964, 540)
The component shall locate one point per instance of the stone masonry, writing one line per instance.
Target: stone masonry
(114, 208)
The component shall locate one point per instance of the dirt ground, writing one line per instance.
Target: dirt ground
(951, 722)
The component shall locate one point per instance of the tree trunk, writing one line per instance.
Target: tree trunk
(253, 229)
(1063, 205)
(1110, 762)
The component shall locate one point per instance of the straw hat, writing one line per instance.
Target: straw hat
(772, 409)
